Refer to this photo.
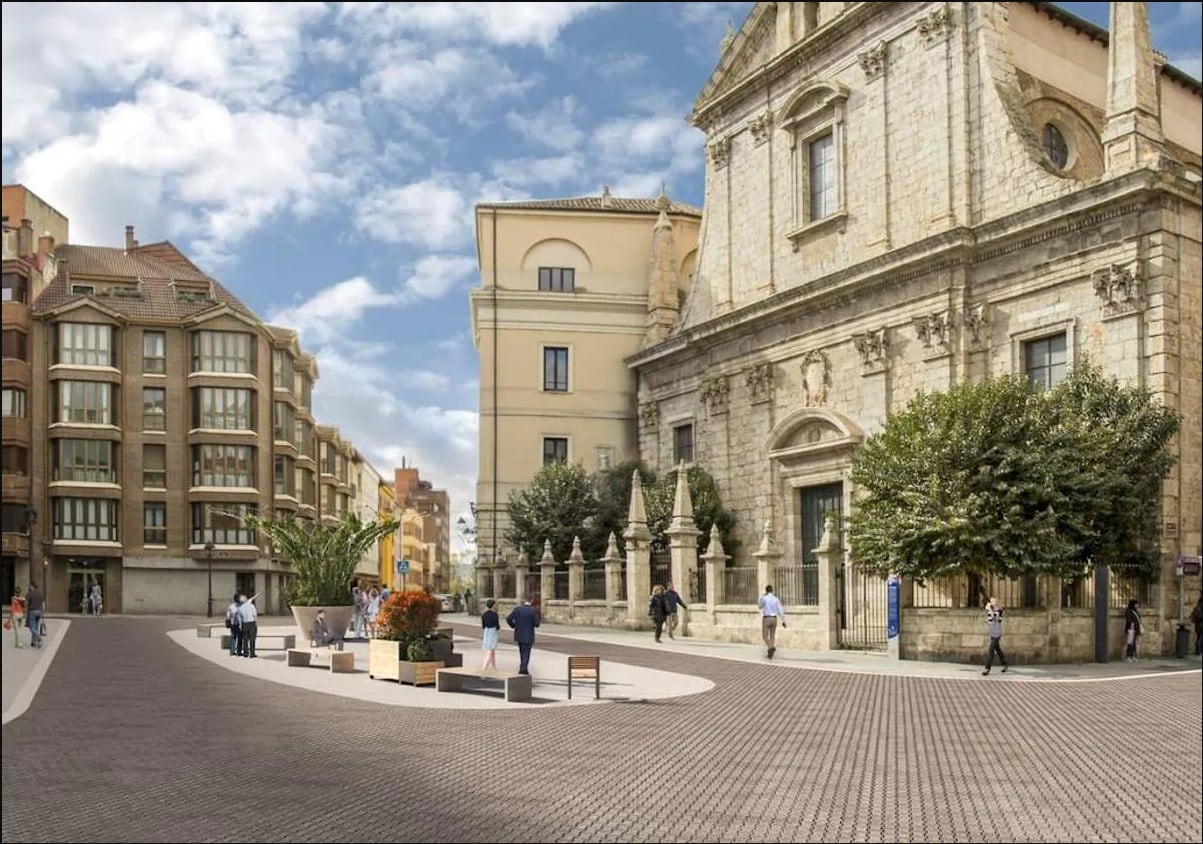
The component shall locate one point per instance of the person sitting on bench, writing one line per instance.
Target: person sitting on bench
(320, 635)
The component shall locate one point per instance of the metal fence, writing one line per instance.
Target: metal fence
(697, 585)
(940, 592)
(797, 586)
(661, 565)
(739, 585)
(593, 585)
(975, 589)
(534, 585)
(622, 582)
(561, 586)
(509, 580)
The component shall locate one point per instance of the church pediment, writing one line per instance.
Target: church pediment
(752, 46)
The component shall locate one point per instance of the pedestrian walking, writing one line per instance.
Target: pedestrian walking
(360, 603)
(17, 615)
(373, 610)
(1196, 619)
(523, 618)
(657, 608)
(673, 599)
(1132, 630)
(247, 615)
(96, 600)
(994, 620)
(490, 624)
(234, 626)
(771, 612)
(35, 606)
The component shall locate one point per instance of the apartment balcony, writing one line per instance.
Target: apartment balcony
(85, 489)
(15, 487)
(16, 373)
(15, 544)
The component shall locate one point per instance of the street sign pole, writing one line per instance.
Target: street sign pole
(893, 616)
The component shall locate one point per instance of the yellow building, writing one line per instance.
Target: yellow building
(569, 289)
(388, 544)
(414, 549)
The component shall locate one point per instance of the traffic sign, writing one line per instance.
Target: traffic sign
(402, 566)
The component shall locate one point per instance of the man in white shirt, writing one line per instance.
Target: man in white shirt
(770, 612)
(246, 617)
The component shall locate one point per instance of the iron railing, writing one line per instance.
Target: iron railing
(661, 567)
(593, 584)
(797, 586)
(739, 585)
(561, 586)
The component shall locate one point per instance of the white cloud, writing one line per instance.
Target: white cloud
(429, 213)
(1188, 62)
(553, 126)
(549, 171)
(412, 76)
(434, 276)
(333, 310)
(499, 24)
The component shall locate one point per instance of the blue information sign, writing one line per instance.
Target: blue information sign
(402, 566)
(892, 610)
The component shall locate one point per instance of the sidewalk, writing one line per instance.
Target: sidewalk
(22, 669)
(859, 662)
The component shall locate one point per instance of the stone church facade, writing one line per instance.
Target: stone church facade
(904, 196)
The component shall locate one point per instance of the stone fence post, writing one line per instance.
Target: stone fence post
(767, 559)
(520, 573)
(499, 576)
(639, 557)
(547, 578)
(576, 571)
(682, 541)
(831, 558)
(715, 559)
(483, 581)
(613, 564)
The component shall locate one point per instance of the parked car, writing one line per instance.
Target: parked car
(447, 603)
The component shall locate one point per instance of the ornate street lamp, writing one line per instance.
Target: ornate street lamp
(209, 554)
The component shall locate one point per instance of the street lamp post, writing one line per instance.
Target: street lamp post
(31, 519)
(209, 554)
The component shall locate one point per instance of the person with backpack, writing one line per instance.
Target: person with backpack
(657, 608)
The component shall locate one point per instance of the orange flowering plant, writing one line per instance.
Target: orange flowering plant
(409, 615)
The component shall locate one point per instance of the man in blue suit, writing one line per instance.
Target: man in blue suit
(524, 619)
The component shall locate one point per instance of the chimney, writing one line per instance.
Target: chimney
(46, 244)
(1132, 135)
(130, 243)
(25, 239)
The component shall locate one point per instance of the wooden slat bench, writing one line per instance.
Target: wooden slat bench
(286, 642)
(585, 668)
(341, 662)
(517, 686)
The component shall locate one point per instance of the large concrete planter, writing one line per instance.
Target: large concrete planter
(338, 619)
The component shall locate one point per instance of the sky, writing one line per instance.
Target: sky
(322, 160)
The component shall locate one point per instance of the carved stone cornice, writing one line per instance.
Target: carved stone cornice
(714, 394)
(719, 151)
(759, 379)
(976, 321)
(873, 60)
(760, 127)
(649, 416)
(935, 25)
(816, 377)
(872, 346)
(935, 331)
(1118, 287)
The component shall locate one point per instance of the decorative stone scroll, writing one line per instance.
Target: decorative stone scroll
(935, 25)
(714, 394)
(873, 60)
(872, 346)
(935, 331)
(759, 379)
(976, 322)
(649, 416)
(1118, 288)
(720, 151)
(816, 377)
(760, 126)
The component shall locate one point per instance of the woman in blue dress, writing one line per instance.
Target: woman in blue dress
(491, 625)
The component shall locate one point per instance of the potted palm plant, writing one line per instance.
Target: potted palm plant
(402, 648)
(323, 559)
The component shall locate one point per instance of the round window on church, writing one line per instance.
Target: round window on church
(1055, 147)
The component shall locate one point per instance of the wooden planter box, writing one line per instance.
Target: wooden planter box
(419, 673)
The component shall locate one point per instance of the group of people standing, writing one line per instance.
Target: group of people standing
(367, 603)
(242, 621)
(27, 610)
(663, 608)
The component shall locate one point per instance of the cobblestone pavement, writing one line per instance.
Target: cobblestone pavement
(133, 739)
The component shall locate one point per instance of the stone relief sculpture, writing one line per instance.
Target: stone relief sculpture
(873, 61)
(720, 151)
(816, 377)
(976, 322)
(759, 379)
(872, 347)
(649, 416)
(760, 127)
(934, 330)
(714, 394)
(1117, 286)
(935, 25)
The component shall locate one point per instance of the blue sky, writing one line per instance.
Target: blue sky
(323, 160)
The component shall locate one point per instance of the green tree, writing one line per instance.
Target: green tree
(323, 557)
(997, 477)
(707, 508)
(558, 504)
(612, 488)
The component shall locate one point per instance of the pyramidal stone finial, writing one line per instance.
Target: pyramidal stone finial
(612, 548)
(663, 203)
(606, 196)
(547, 555)
(523, 559)
(682, 502)
(766, 538)
(715, 548)
(576, 556)
(637, 515)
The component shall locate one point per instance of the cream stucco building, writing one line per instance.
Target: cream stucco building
(904, 196)
(569, 289)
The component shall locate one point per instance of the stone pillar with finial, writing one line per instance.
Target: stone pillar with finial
(831, 558)
(521, 570)
(767, 559)
(547, 575)
(682, 536)
(715, 560)
(576, 572)
(613, 563)
(499, 575)
(1132, 133)
(483, 580)
(639, 557)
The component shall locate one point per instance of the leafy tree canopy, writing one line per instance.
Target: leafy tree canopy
(997, 477)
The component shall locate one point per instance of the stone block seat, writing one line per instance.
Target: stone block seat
(286, 642)
(517, 686)
(341, 662)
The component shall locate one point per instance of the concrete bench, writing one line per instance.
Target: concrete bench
(286, 642)
(517, 686)
(205, 631)
(341, 662)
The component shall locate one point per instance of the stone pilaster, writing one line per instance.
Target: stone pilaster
(547, 574)
(613, 564)
(715, 560)
(576, 573)
(639, 569)
(830, 556)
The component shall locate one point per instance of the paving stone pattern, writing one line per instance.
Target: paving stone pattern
(133, 739)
